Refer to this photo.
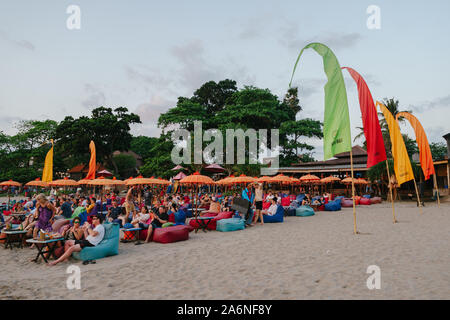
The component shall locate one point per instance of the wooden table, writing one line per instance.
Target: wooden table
(11, 237)
(42, 244)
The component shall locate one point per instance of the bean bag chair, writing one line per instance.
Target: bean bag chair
(292, 197)
(180, 217)
(364, 202)
(109, 246)
(232, 224)
(366, 196)
(277, 217)
(339, 198)
(58, 224)
(304, 211)
(171, 217)
(346, 203)
(333, 205)
(285, 202)
(167, 224)
(300, 198)
(171, 234)
(321, 208)
(294, 204)
(266, 205)
(290, 212)
(375, 200)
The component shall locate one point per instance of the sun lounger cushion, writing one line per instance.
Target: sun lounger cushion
(333, 205)
(304, 211)
(171, 234)
(109, 246)
(364, 201)
(232, 224)
(277, 217)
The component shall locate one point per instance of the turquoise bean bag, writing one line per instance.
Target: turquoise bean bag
(232, 224)
(304, 211)
(109, 246)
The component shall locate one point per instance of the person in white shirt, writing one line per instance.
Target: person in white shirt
(93, 237)
(272, 209)
(141, 218)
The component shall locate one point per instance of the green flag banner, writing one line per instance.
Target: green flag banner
(336, 124)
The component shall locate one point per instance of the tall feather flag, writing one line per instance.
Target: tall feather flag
(376, 151)
(336, 124)
(426, 159)
(47, 173)
(92, 162)
(402, 164)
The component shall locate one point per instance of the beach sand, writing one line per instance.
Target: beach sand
(303, 258)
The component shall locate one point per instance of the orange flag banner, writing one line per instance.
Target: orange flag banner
(92, 162)
(402, 164)
(426, 159)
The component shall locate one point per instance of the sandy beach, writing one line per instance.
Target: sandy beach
(303, 258)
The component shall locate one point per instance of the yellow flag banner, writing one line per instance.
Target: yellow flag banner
(402, 164)
(47, 173)
(426, 159)
(92, 162)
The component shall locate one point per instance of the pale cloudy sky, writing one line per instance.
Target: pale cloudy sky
(144, 54)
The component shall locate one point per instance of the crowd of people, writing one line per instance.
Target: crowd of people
(138, 208)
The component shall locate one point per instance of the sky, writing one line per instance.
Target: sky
(145, 54)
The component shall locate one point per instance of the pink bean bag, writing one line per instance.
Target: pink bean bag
(364, 201)
(375, 200)
(347, 203)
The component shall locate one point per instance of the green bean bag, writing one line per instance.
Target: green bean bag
(232, 224)
(304, 211)
(109, 246)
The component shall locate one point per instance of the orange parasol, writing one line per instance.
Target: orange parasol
(84, 181)
(281, 178)
(348, 180)
(10, 183)
(309, 178)
(37, 183)
(66, 182)
(264, 179)
(242, 179)
(330, 179)
(226, 180)
(361, 181)
(101, 181)
(141, 180)
(163, 181)
(197, 178)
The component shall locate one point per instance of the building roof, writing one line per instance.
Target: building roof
(359, 157)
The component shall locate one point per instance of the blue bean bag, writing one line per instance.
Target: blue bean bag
(333, 205)
(290, 212)
(232, 224)
(300, 198)
(277, 217)
(304, 211)
(180, 217)
(339, 198)
(109, 246)
(366, 196)
(294, 204)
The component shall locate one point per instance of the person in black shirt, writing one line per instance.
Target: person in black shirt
(114, 212)
(159, 218)
(66, 209)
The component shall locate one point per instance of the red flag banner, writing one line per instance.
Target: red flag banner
(376, 151)
(426, 159)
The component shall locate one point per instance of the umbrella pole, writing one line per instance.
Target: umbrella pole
(355, 231)
(418, 197)
(437, 190)
(390, 191)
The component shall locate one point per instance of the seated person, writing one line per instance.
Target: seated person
(74, 232)
(307, 200)
(140, 220)
(214, 206)
(269, 212)
(159, 218)
(93, 237)
(114, 212)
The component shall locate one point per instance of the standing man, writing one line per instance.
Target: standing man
(248, 195)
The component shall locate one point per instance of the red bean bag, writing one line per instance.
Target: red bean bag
(211, 225)
(224, 215)
(210, 214)
(171, 234)
(364, 201)
(375, 200)
(143, 233)
(285, 202)
(266, 205)
(171, 218)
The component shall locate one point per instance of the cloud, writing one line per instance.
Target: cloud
(95, 98)
(432, 104)
(24, 44)
(293, 40)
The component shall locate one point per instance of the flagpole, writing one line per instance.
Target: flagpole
(418, 198)
(390, 190)
(355, 231)
(437, 190)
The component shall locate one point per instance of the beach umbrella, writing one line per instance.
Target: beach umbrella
(10, 183)
(348, 180)
(197, 179)
(37, 183)
(102, 181)
(104, 173)
(264, 179)
(66, 182)
(309, 178)
(214, 168)
(178, 167)
(281, 178)
(84, 181)
(242, 179)
(141, 181)
(179, 176)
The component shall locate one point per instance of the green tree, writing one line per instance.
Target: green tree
(108, 128)
(438, 150)
(142, 146)
(126, 165)
(160, 163)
